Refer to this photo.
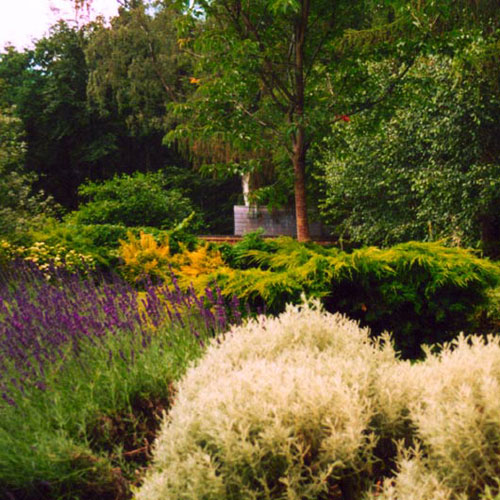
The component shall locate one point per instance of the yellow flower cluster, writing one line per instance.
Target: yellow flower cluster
(45, 256)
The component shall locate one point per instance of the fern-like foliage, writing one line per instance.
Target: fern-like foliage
(422, 292)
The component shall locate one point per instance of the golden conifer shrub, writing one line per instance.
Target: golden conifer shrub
(194, 267)
(144, 257)
(282, 408)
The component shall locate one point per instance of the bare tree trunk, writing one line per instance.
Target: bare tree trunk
(299, 172)
(299, 142)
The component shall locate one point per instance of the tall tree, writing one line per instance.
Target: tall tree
(68, 138)
(430, 168)
(66, 141)
(271, 72)
(136, 67)
(136, 64)
(275, 74)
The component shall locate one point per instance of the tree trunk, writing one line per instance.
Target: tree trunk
(299, 173)
(299, 142)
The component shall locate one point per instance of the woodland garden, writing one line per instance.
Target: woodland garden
(141, 359)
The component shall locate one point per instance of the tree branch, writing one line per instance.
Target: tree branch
(268, 64)
(317, 50)
(264, 124)
(373, 102)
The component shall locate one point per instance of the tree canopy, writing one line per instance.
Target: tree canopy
(272, 76)
(429, 169)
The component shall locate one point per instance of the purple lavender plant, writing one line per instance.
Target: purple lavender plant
(44, 322)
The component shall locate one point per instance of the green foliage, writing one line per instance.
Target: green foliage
(69, 137)
(237, 255)
(265, 77)
(136, 63)
(212, 197)
(58, 436)
(21, 207)
(102, 241)
(428, 167)
(421, 292)
(133, 200)
(48, 87)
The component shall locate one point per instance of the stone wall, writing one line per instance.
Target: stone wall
(275, 223)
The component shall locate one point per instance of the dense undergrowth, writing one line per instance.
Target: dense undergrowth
(421, 292)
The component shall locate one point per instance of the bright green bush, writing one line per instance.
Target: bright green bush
(239, 255)
(421, 292)
(305, 406)
(136, 200)
(101, 241)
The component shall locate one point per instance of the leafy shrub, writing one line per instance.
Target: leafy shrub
(102, 241)
(203, 260)
(145, 257)
(137, 200)
(310, 408)
(99, 241)
(421, 292)
(282, 409)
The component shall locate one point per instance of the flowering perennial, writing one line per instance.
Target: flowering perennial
(40, 321)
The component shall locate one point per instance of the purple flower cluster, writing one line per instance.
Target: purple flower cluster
(42, 322)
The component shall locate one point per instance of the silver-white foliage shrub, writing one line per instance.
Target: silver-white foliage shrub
(306, 407)
(281, 409)
(455, 409)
